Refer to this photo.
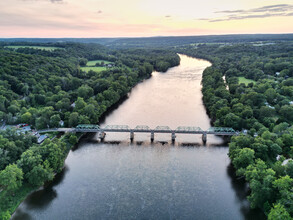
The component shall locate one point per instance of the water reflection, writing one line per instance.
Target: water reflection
(40, 199)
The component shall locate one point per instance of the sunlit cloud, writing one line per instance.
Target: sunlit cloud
(280, 10)
(268, 8)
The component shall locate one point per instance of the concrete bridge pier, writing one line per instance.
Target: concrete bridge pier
(102, 135)
(204, 138)
(173, 137)
(152, 137)
(131, 136)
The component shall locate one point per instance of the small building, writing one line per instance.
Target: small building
(61, 123)
(286, 161)
(42, 138)
(23, 130)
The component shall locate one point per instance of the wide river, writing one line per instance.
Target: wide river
(141, 180)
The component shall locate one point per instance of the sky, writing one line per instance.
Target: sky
(142, 18)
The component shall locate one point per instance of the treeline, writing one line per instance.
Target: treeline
(48, 89)
(263, 109)
(45, 91)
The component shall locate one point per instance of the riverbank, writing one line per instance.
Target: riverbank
(9, 207)
(10, 202)
(259, 108)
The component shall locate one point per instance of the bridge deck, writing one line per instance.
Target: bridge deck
(144, 129)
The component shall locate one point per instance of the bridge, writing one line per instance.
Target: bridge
(89, 128)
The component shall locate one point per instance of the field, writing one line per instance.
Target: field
(93, 62)
(35, 47)
(93, 68)
(245, 81)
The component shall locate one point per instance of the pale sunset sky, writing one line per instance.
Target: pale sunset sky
(142, 18)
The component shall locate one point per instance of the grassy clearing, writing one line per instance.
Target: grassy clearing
(93, 68)
(93, 62)
(34, 47)
(245, 81)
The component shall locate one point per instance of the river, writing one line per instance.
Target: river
(143, 180)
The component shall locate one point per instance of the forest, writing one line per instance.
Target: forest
(249, 87)
(262, 109)
(48, 89)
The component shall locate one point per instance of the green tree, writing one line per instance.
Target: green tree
(79, 104)
(55, 155)
(287, 112)
(289, 168)
(261, 180)
(5, 215)
(278, 212)
(83, 61)
(73, 119)
(244, 158)
(54, 121)
(72, 139)
(29, 159)
(39, 174)
(26, 118)
(232, 120)
(85, 91)
(11, 178)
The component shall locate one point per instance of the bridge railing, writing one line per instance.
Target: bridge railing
(144, 128)
(116, 128)
(188, 129)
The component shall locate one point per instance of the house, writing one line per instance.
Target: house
(42, 138)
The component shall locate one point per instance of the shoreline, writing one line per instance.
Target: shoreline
(101, 119)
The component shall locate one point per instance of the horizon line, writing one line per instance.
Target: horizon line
(202, 35)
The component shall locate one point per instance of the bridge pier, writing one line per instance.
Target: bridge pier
(152, 136)
(102, 135)
(173, 137)
(204, 138)
(131, 136)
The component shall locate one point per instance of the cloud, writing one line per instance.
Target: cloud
(99, 12)
(268, 8)
(168, 16)
(247, 17)
(280, 10)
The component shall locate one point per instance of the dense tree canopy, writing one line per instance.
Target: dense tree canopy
(262, 108)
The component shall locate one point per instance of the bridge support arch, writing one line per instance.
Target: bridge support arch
(204, 138)
(152, 136)
(173, 137)
(102, 135)
(131, 136)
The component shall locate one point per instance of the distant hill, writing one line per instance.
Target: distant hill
(161, 41)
